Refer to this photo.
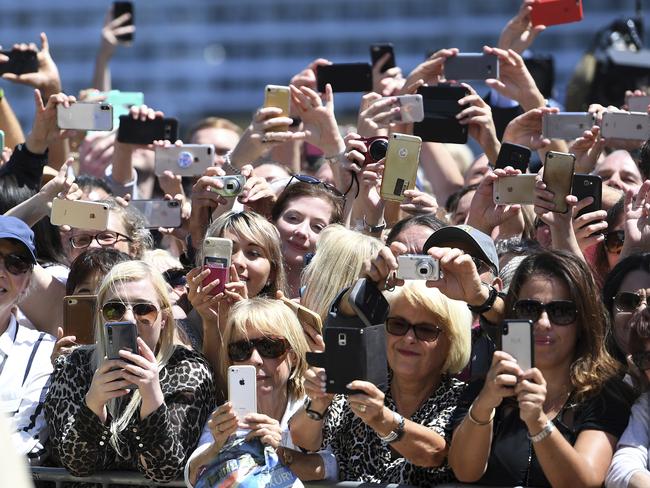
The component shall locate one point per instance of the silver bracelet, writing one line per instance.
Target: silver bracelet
(545, 432)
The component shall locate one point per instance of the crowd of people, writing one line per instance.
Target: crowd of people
(309, 222)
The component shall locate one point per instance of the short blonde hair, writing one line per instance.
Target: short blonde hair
(272, 318)
(452, 316)
(161, 259)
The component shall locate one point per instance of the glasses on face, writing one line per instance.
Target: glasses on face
(614, 241)
(144, 312)
(423, 332)
(482, 266)
(17, 264)
(104, 239)
(628, 301)
(315, 181)
(267, 347)
(560, 312)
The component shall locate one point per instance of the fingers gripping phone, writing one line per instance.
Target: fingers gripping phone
(517, 339)
(278, 97)
(513, 155)
(217, 252)
(121, 336)
(377, 51)
(85, 116)
(588, 186)
(144, 132)
(558, 176)
(401, 167)
(119, 9)
(553, 12)
(79, 317)
(242, 389)
(472, 66)
(514, 189)
(411, 108)
(185, 160)
(159, 213)
(20, 62)
(79, 214)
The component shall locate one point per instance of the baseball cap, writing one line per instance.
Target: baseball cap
(468, 239)
(17, 230)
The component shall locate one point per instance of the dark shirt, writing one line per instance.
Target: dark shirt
(25, 167)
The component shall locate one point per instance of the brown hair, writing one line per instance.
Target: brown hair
(302, 189)
(215, 123)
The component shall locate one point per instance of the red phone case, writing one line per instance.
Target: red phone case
(216, 272)
(553, 12)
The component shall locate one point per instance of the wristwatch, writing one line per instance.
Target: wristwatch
(312, 414)
(487, 305)
(395, 435)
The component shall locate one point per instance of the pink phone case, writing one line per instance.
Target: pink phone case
(217, 272)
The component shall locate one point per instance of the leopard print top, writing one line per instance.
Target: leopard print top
(362, 456)
(157, 446)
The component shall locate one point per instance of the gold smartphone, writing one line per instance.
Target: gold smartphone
(305, 316)
(79, 214)
(514, 189)
(558, 176)
(279, 97)
(401, 166)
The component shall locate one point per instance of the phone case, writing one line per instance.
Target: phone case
(513, 155)
(638, 104)
(588, 186)
(120, 336)
(278, 96)
(185, 160)
(143, 132)
(305, 316)
(377, 51)
(242, 389)
(121, 102)
(79, 317)
(401, 167)
(79, 214)
(514, 189)
(554, 12)
(217, 253)
(159, 213)
(20, 62)
(411, 108)
(472, 66)
(625, 125)
(368, 303)
(558, 176)
(120, 8)
(517, 340)
(440, 110)
(85, 116)
(566, 125)
(345, 77)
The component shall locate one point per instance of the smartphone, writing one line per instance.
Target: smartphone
(79, 214)
(85, 116)
(20, 62)
(514, 189)
(217, 252)
(279, 97)
(121, 8)
(558, 176)
(440, 110)
(368, 303)
(472, 66)
(625, 125)
(517, 339)
(121, 102)
(401, 166)
(79, 317)
(141, 132)
(120, 336)
(513, 155)
(411, 108)
(305, 316)
(242, 389)
(159, 213)
(377, 51)
(345, 77)
(185, 160)
(637, 104)
(566, 125)
(588, 186)
(553, 12)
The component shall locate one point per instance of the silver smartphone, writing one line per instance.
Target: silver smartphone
(472, 66)
(242, 389)
(85, 116)
(638, 104)
(517, 339)
(625, 125)
(159, 213)
(566, 125)
(514, 189)
(411, 109)
(185, 160)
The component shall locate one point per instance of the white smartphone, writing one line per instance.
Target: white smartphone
(513, 189)
(85, 116)
(79, 214)
(638, 104)
(625, 125)
(242, 389)
(159, 213)
(185, 160)
(517, 340)
(411, 108)
(566, 125)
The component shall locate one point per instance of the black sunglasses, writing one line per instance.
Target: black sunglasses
(267, 347)
(560, 312)
(144, 312)
(17, 264)
(315, 181)
(614, 241)
(424, 332)
(628, 301)
(175, 277)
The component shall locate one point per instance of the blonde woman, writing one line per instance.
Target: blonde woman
(96, 422)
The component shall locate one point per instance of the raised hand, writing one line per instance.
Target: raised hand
(478, 117)
(47, 78)
(636, 216)
(519, 33)
(388, 82)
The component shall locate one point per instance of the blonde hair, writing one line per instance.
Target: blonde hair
(340, 254)
(271, 318)
(161, 259)
(452, 316)
(122, 273)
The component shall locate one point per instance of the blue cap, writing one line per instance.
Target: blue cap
(17, 230)
(468, 239)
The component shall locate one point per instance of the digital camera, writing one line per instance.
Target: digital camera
(233, 185)
(377, 147)
(418, 267)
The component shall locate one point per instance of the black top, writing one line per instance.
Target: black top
(25, 167)
(512, 460)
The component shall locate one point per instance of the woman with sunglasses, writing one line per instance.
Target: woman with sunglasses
(143, 411)
(557, 423)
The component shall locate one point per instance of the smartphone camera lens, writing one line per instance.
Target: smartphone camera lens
(173, 203)
(105, 107)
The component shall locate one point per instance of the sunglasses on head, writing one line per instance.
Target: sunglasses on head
(614, 241)
(267, 347)
(423, 332)
(175, 277)
(144, 312)
(315, 181)
(628, 301)
(641, 360)
(560, 312)
(17, 264)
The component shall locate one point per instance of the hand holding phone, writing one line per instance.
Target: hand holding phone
(79, 317)
(517, 339)
(217, 253)
(123, 25)
(242, 389)
(85, 116)
(378, 51)
(558, 176)
(20, 62)
(155, 127)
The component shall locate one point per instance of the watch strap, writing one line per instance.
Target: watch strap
(395, 435)
(489, 302)
(311, 413)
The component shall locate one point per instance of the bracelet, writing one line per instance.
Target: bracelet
(227, 164)
(477, 422)
(332, 160)
(489, 302)
(544, 433)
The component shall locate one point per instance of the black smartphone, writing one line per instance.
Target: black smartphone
(440, 109)
(513, 155)
(133, 131)
(20, 62)
(120, 336)
(121, 8)
(588, 186)
(345, 77)
(472, 66)
(377, 51)
(368, 303)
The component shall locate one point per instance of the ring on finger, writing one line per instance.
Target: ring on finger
(361, 407)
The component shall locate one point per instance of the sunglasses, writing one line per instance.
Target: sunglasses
(267, 347)
(614, 241)
(423, 332)
(315, 181)
(641, 360)
(17, 264)
(175, 277)
(144, 312)
(628, 301)
(483, 267)
(560, 312)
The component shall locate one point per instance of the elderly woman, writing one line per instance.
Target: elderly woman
(399, 435)
(142, 412)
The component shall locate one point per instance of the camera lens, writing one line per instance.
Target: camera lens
(173, 203)
(424, 268)
(377, 149)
